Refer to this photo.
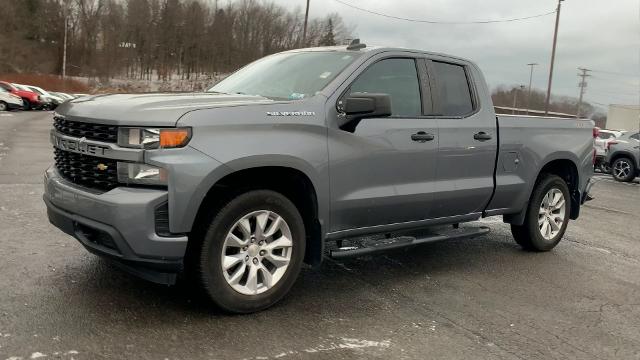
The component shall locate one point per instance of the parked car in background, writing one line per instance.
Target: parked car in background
(63, 96)
(601, 143)
(50, 99)
(9, 101)
(623, 154)
(79, 95)
(30, 99)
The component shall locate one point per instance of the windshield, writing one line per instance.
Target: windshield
(36, 90)
(291, 76)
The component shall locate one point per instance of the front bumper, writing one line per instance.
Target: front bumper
(119, 224)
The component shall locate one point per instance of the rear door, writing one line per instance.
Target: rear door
(383, 171)
(467, 141)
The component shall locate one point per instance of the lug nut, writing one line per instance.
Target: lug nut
(246, 258)
(262, 252)
(255, 261)
(261, 242)
(244, 248)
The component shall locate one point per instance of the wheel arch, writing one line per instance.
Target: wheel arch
(293, 182)
(565, 168)
(621, 154)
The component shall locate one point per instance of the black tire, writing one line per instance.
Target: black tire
(623, 163)
(528, 235)
(207, 265)
(4, 106)
(26, 105)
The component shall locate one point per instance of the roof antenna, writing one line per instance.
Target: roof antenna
(355, 45)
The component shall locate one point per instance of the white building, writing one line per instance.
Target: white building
(623, 117)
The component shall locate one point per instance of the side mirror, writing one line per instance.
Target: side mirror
(363, 105)
(358, 106)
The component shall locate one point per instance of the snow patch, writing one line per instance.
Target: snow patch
(37, 355)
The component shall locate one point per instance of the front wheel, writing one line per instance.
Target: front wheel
(623, 169)
(547, 215)
(251, 252)
(3, 106)
(26, 105)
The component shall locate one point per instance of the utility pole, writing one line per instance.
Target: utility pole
(553, 58)
(530, 82)
(583, 87)
(64, 50)
(515, 98)
(306, 19)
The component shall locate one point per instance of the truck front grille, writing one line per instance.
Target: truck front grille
(99, 132)
(85, 170)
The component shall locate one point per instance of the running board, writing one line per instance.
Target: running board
(406, 241)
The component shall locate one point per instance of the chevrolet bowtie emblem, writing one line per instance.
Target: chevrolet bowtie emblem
(102, 167)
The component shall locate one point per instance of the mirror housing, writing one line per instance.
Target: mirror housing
(358, 106)
(363, 105)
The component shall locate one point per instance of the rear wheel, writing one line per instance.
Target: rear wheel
(623, 169)
(3, 106)
(547, 215)
(251, 252)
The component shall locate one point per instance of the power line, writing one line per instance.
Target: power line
(618, 81)
(444, 22)
(616, 73)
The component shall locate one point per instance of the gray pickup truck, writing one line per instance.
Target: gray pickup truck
(301, 152)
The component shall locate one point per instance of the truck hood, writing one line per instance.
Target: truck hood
(156, 109)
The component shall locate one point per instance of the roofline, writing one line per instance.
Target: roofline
(374, 49)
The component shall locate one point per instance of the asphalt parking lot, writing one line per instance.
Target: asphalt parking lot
(475, 299)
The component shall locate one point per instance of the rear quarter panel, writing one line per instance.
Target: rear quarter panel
(527, 144)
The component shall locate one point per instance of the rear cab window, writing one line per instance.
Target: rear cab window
(453, 89)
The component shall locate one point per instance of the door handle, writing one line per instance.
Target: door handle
(422, 136)
(482, 136)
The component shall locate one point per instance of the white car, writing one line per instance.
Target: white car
(9, 101)
(48, 97)
(601, 145)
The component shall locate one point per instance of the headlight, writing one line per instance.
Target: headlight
(142, 174)
(153, 138)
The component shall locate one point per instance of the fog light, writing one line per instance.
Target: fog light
(142, 174)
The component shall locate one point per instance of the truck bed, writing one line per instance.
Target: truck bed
(527, 144)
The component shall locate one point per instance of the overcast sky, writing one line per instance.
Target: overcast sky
(597, 34)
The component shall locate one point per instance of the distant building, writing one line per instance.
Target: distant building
(623, 117)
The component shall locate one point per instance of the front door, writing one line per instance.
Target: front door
(383, 170)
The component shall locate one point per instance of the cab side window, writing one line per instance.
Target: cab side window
(399, 79)
(453, 89)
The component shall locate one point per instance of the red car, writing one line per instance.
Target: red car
(30, 99)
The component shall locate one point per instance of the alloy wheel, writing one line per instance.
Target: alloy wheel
(551, 214)
(256, 252)
(621, 169)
